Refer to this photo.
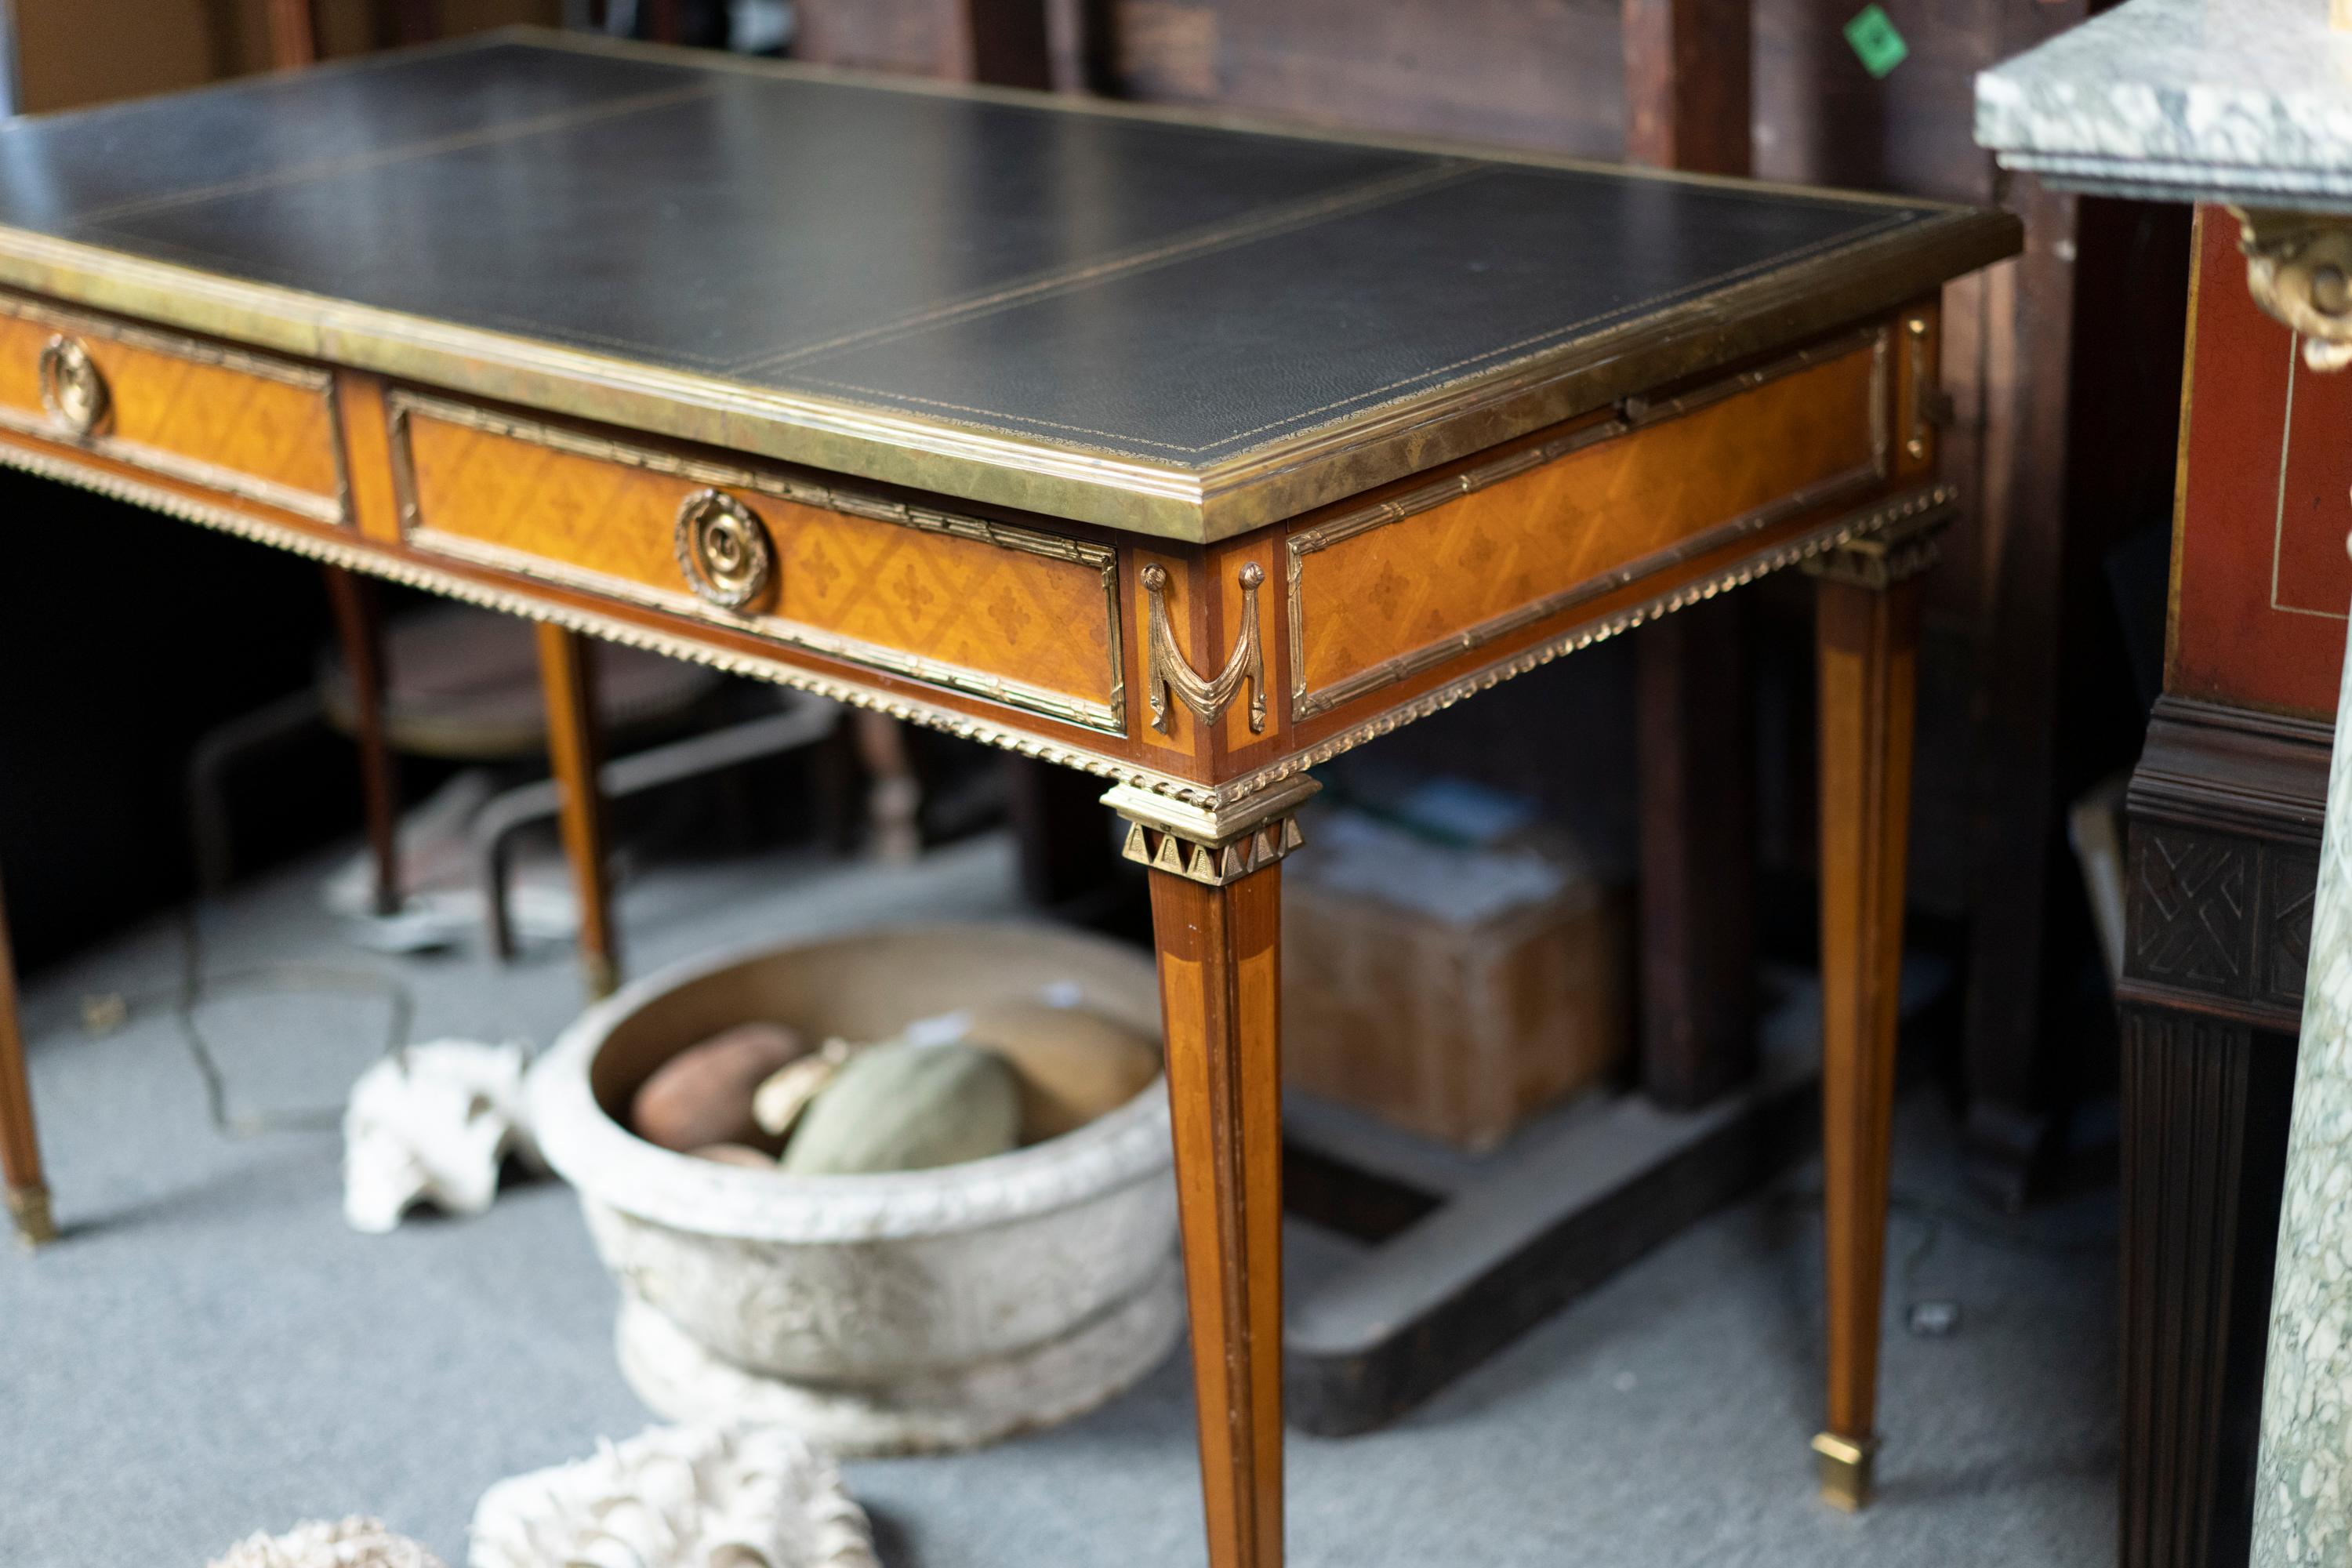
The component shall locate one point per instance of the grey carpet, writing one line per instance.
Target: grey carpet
(210, 1352)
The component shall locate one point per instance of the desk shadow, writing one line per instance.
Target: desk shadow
(2010, 1474)
(249, 1182)
(893, 1545)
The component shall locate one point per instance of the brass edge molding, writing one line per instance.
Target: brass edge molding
(451, 585)
(915, 450)
(1305, 704)
(1108, 716)
(1639, 412)
(1215, 846)
(1936, 499)
(309, 378)
(1442, 424)
(1169, 671)
(1351, 453)
(335, 508)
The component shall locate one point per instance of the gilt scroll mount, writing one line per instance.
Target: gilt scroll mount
(1168, 671)
(2299, 270)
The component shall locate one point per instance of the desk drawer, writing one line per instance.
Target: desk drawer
(1014, 615)
(247, 424)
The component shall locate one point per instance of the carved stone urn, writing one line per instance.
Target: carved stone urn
(875, 1314)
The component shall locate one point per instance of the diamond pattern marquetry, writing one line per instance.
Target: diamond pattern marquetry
(1437, 574)
(219, 414)
(987, 609)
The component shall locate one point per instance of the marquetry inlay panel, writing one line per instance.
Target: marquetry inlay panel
(256, 426)
(1019, 616)
(1380, 591)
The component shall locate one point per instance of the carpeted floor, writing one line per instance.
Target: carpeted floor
(210, 1352)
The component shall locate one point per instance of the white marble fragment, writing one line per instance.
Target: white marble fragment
(677, 1497)
(2226, 99)
(353, 1542)
(432, 1123)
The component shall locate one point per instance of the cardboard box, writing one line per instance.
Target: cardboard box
(1453, 992)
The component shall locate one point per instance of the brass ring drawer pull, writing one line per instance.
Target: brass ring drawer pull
(72, 389)
(723, 549)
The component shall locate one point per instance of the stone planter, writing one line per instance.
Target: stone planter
(895, 1313)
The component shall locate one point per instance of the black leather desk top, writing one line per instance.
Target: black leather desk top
(1168, 326)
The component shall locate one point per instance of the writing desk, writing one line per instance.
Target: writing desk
(1184, 453)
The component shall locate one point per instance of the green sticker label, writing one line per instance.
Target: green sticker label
(1876, 41)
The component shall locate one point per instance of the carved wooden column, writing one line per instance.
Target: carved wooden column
(1216, 914)
(2225, 814)
(1867, 642)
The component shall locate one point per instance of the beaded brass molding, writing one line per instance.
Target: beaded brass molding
(1633, 415)
(72, 325)
(1170, 671)
(1235, 796)
(1109, 716)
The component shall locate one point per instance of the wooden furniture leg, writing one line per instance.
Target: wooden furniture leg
(893, 794)
(567, 674)
(20, 1147)
(1867, 641)
(360, 630)
(1216, 909)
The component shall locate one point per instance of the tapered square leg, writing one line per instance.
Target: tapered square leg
(568, 678)
(360, 631)
(1216, 910)
(20, 1147)
(1866, 645)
